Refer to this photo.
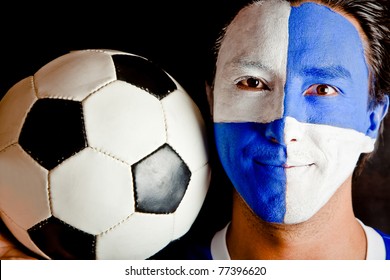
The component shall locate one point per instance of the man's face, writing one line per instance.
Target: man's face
(291, 107)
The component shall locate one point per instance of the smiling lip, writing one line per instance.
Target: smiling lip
(294, 166)
(285, 166)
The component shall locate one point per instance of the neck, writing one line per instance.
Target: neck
(332, 233)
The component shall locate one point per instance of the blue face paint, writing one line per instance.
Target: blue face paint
(329, 52)
(254, 165)
(323, 48)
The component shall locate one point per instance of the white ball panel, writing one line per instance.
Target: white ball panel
(13, 109)
(91, 191)
(192, 201)
(22, 235)
(23, 188)
(75, 75)
(113, 52)
(139, 237)
(124, 121)
(185, 129)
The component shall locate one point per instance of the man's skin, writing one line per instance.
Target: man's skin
(9, 251)
(342, 238)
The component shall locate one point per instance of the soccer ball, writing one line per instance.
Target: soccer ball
(103, 155)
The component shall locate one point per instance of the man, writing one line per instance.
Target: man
(298, 97)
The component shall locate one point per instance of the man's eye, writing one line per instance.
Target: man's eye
(252, 83)
(321, 90)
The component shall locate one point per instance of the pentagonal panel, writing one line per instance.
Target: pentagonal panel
(23, 188)
(124, 121)
(137, 238)
(186, 130)
(91, 191)
(75, 75)
(53, 131)
(60, 241)
(13, 109)
(144, 74)
(160, 181)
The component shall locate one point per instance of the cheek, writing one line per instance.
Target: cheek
(230, 141)
(241, 147)
(328, 147)
(226, 143)
(334, 152)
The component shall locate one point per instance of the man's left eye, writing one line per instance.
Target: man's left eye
(321, 90)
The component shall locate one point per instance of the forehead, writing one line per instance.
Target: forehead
(321, 36)
(260, 26)
(267, 30)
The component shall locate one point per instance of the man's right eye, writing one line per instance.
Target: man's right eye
(252, 83)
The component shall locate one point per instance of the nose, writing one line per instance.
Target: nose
(293, 130)
(284, 131)
(274, 131)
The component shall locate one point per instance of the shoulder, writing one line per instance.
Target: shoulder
(386, 239)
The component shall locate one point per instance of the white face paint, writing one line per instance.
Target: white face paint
(246, 52)
(321, 159)
(285, 146)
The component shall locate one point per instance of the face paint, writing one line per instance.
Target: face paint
(246, 52)
(288, 81)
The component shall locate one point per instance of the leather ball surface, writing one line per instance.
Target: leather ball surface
(103, 155)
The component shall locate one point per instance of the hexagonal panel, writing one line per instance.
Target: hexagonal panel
(137, 238)
(186, 130)
(75, 75)
(61, 241)
(23, 188)
(53, 131)
(13, 109)
(124, 121)
(160, 181)
(192, 201)
(92, 191)
(144, 74)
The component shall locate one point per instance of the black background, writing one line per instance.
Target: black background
(178, 35)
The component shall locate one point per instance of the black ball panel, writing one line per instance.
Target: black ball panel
(160, 181)
(61, 241)
(144, 74)
(53, 131)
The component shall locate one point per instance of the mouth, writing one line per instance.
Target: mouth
(285, 165)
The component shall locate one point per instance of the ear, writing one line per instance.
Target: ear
(210, 97)
(376, 116)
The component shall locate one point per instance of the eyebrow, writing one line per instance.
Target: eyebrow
(239, 63)
(330, 72)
